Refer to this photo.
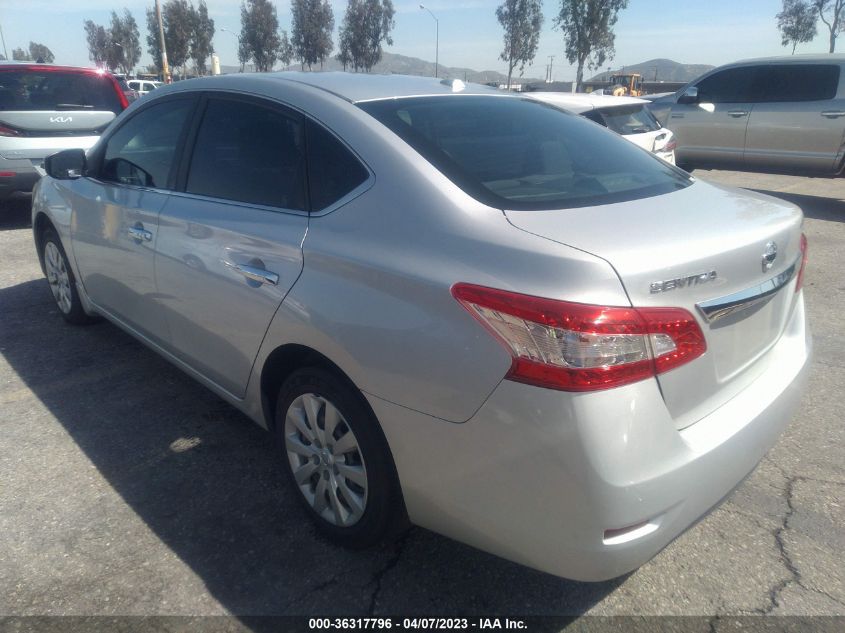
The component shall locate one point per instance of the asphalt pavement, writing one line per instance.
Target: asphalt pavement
(127, 488)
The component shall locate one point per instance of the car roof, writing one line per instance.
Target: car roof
(352, 87)
(36, 66)
(794, 59)
(579, 102)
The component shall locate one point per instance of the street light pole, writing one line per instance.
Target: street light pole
(237, 37)
(436, 40)
(5, 52)
(551, 66)
(165, 69)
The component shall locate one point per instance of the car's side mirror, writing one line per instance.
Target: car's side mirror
(66, 165)
(690, 95)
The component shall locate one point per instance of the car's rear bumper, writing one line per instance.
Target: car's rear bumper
(540, 476)
(16, 177)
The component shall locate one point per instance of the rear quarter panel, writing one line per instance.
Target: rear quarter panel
(374, 295)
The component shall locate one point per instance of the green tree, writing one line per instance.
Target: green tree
(178, 23)
(259, 38)
(98, 39)
(40, 52)
(366, 25)
(522, 21)
(311, 31)
(797, 23)
(126, 41)
(587, 27)
(285, 49)
(21, 55)
(201, 37)
(153, 41)
(832, 13)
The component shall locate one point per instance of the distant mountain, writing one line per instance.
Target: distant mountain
(403, 65)
(666, 70)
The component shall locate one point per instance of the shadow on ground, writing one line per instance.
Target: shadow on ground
(15, 213)
(816, 207)
(205, 479)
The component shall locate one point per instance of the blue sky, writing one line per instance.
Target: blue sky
(715, 32)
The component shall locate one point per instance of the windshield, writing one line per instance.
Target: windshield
(32, 90)
(521, 154)
(630, 119)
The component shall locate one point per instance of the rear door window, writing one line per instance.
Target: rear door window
(142, 151)
(796, 82)
(249, 152)
(630, 119)
(732, 85)
(32, 90)
(514, 153)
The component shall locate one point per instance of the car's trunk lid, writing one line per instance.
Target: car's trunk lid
(698, 248)
(69, 122)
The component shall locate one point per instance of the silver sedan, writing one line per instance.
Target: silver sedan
(449, 305)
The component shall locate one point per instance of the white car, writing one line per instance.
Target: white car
(143, 86)
(627, 116)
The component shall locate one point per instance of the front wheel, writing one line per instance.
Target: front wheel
(61, 279)
(337, 458)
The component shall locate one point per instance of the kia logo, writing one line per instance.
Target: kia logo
(61, 119)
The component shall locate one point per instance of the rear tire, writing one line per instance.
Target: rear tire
(337, 459)
(62, 282)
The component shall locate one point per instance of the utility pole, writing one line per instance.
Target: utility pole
(165, 69)
(436, 39)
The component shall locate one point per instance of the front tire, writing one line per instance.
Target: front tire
(60, 277)
(337, 458)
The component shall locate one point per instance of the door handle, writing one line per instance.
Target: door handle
(833, 114)
(140, 234)
(738, 113)
(253, 273)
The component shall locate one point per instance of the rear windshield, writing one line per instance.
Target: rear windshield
(630, 119)
(28, 90)
(521, 154)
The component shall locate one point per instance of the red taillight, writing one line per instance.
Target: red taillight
(800, 281)
(9, 131)
(124, 102)
(579, 347)
(671, 146)
(7, 174)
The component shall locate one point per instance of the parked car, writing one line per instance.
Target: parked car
(779, 114)
(130, 93)
(46, 108)
(143, 86)
(451, 305)
(627, 116)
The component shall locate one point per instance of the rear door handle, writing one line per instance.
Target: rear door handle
(139, 234)
(738, 113)
(833, 114)
(252, 273)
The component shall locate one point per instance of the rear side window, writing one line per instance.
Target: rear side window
(796, 82)
(632, 119)
(142, 151)
(521, 154)
(28, 90)
(249, 153)
(733, 85)
(333, 171)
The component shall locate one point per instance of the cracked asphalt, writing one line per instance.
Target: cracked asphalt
(126, 488)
